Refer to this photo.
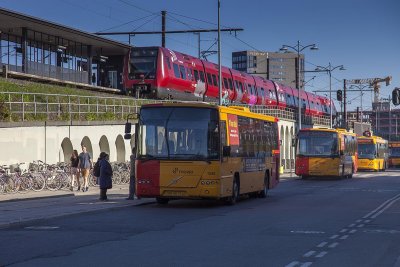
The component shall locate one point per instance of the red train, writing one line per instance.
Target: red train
(160, 73)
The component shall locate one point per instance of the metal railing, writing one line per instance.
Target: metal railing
(21, 106)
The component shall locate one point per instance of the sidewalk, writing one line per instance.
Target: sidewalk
(18, 209)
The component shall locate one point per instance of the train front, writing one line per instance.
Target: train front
(317, 154)
(141, 76)
(178, 152)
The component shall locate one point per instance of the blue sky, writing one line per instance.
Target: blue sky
(363, 35)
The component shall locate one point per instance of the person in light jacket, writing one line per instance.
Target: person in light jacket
(106, 173)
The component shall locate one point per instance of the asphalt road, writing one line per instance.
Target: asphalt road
(350, 222)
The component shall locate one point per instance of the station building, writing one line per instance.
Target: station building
(41, 50)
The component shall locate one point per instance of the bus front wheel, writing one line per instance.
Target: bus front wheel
(235, 192)
(264, 192)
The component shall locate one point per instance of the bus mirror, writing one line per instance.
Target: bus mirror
(226, 151)
(128, 128)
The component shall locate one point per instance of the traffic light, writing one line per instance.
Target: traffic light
(396, 96)
(339, 95)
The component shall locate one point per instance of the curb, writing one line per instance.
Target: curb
(36, 197)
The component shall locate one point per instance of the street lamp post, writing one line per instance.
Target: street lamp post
(298, 48)
(329, 70)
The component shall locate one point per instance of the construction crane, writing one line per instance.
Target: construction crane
(373, 82)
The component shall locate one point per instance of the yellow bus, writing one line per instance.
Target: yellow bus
(324, 152)
(394, 154)
(204, 151)
(373, 153)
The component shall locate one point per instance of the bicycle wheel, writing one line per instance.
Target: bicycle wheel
(51, 181)
(38, 182)
(116, 178)
(24, 183)
(93, 180)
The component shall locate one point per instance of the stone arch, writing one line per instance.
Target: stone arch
(120, 148)
(86, 142)
(104, 145)
(67, 149)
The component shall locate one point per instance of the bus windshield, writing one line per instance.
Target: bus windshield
(366, 151)
(395, 152)
(317, 144)
(180, 133)
(143, 62)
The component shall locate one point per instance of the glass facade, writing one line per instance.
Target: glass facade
(45, 55)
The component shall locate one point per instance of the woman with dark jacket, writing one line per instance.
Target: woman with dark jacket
(105, 178)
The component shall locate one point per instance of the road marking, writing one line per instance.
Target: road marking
(360, 225)
(320, 255)
(367, 221)
(42, 227)
(352, 225)
(359, 221)
(353, 231)
(306, 264)
(333, 245)
(344, 237)
(306, 232)
(343, 230)
(382, 206)
(382, 231)
(333, 237)
(309, 254)
(293, 263)
(321, 245)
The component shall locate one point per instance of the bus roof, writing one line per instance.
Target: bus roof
(375, 139)
(236, 110)
(322, 129)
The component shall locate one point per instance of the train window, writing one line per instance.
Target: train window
(168, 62)
(249, 89)
(176, 71)
(183, 72)
(226, 83)
(230, 84)
(262, 92)
(202, 77)
(209, 79)
(196, 75)
(214, 78)
(241, 87)
(191, 74)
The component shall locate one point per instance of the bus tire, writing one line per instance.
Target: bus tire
(162, 201)
(264, 192)
(235, 191)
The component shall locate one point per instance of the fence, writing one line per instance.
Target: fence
(31, 106)
(20, 106)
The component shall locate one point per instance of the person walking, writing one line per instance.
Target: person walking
(132, 177)
(105, 178)
(84, 165)
(74, 170)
